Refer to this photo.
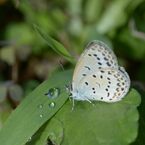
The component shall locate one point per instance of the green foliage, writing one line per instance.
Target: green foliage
(101, 123)
(26, 61)
(87, 120)
(30, 115)
(115, 15)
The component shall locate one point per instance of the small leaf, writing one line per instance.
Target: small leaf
(55, 45)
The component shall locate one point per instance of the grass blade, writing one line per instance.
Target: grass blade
(55, 45)
(34, 111)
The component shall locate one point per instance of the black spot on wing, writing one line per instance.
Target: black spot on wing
(86, 83)
(118, 84)
(99, 63)
(105, 58)
(108, 78)
(87, 67)
(108, 94)
(122, 89)
(102, 71)
(109, 73)
(108, 64)
(98, 58)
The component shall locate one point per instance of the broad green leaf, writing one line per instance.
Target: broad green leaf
(35, 110)
(101, 123)
(55, 45)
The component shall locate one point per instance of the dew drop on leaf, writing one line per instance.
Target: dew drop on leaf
(40, 115)
(53, 92)
(40, 106)
(52, 105)
(29, 139)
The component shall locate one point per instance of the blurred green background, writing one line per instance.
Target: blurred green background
(26, 60)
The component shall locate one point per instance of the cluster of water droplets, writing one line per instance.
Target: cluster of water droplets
(29, 140)
(51, 94)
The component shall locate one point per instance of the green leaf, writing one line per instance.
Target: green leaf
(98, 124)
(35, 110)
(101, 123)
(55, 45)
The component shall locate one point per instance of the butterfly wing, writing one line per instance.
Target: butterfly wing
(96, 56)
(108, 85)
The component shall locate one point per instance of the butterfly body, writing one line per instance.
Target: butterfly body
(98, 76)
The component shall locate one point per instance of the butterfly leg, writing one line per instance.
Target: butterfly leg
(73, 104)
(89, 101)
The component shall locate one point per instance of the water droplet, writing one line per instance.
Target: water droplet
(40, 115)
(40, 106)
(52, 105)
(53, 93)
(30, 138)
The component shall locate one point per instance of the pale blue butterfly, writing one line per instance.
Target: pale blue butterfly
(97, 75)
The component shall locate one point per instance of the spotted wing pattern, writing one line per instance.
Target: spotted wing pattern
(97, 55)
(97, 75)
(109, 85)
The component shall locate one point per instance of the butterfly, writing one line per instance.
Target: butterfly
(97, 75)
